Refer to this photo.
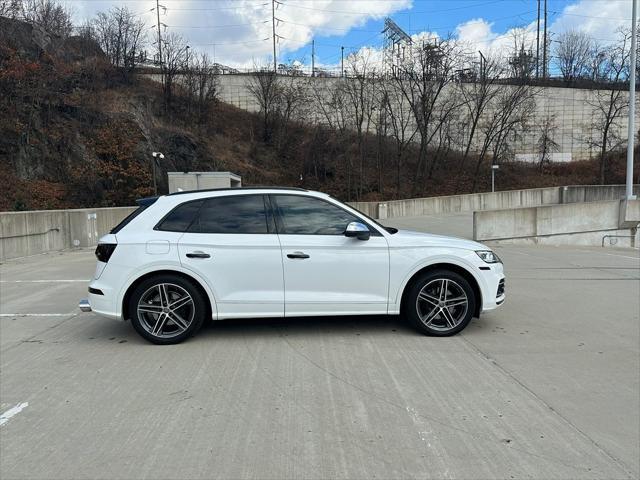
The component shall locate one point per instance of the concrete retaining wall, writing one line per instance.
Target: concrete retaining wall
(491, 201)
(573, 223)
(30, 233)
(593, 193)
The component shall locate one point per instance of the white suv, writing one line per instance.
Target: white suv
(183, 258)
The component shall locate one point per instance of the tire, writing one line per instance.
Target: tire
(167, 309)
(426, 310)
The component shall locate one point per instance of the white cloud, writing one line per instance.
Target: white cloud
(599, 19)
(249, 40)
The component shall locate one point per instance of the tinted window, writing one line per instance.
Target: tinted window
(311, 216)
(180, 217)
(232, 214)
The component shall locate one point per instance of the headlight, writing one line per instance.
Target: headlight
(488, 256)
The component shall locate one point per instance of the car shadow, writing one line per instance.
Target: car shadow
(338, 325)
(253, 328)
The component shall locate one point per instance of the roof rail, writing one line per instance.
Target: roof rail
(296, 189)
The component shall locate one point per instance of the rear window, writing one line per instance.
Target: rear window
(181, 217)
(240, 214)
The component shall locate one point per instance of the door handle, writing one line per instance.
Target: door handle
(198, 255)
(297, 255)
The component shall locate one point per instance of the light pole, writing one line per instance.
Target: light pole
(632, 104)
(160, 156)
(493, 177)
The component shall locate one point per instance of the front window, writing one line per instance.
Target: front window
(301, 215)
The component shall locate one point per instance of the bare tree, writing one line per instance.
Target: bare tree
(573, 54)
(610, 105)
(120, 35)
(477, 96)
(51, 16)
(546, 143)
(360, 97)
(264, 85)
(290, 103)
(11, 8)
(425, 75)
(507, 117)
(400, 122)
(202, 86)
(174, 56)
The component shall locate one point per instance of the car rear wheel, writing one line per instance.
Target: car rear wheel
(440, 303)
(167, 309)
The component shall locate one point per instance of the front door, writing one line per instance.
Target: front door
(324, 271)
(233, 244)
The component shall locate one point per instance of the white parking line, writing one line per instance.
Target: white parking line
(6, 416)
(622, 256)
(43, 281)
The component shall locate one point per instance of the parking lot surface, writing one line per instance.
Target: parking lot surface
(545, 387)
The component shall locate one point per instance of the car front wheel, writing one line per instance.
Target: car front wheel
(167, 309)
(440, 303)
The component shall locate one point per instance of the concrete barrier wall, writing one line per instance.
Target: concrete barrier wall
(594, 193)
(573, 223)
(30, 233)
(491, 201)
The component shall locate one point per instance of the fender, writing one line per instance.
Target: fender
(433, 260)
(177, 267)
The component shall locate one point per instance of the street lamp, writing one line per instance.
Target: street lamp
(493, 177)
(156, 156)
(632, 105)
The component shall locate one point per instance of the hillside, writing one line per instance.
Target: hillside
(75, 132)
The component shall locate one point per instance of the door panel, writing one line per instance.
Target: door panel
(244, 271)
(324, 271)
(232, 243)
(341, 276)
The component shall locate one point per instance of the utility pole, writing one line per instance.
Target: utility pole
(273, 27)
(160, 42)
(632, 103)
(313, 57)
(342, 61)
(544, 47)
(483, 66)
(538, 44)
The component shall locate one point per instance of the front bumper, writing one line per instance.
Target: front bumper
(494, 287)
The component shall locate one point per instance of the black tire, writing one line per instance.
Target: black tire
(420, 313)
(155, 296)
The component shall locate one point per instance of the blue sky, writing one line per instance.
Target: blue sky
(238, 32)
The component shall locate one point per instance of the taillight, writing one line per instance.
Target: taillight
(104, 251)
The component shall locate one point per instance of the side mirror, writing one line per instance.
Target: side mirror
(357, 230)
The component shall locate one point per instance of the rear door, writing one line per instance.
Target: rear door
(233, 244)
(324, 271)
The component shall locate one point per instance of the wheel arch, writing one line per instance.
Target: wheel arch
(463, 272)
(210, 301)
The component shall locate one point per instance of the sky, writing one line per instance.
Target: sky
(239, 32)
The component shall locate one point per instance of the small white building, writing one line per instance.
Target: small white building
(184, 181)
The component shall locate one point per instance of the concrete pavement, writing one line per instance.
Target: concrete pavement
(545, 387)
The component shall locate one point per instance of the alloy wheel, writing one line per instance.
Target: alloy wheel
(165, 310)
(442, 304)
